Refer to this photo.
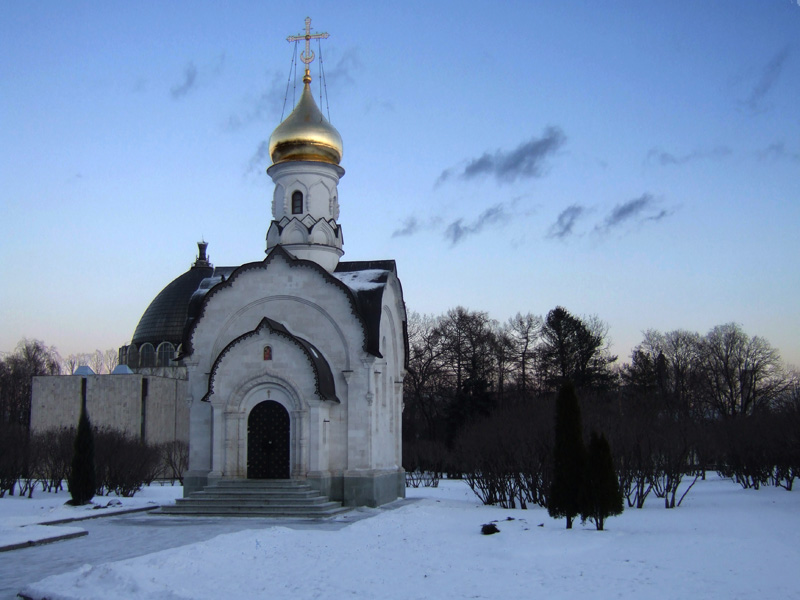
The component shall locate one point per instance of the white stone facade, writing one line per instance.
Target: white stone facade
(336, 370)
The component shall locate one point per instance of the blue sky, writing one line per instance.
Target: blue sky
(635, 160)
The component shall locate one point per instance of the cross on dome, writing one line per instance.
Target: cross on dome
(307, 55)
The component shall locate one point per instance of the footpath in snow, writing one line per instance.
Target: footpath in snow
(724, 542)
(45, 517)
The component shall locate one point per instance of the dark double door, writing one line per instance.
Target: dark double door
(268, 441)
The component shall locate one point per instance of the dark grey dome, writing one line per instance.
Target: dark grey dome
(164, 319)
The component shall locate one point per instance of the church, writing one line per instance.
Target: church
(295, 363)
(292, 365)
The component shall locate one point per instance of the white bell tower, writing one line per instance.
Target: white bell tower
(306, 150)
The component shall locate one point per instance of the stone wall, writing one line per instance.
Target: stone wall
(139, 405)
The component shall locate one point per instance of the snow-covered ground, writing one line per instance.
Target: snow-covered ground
(724, 542)
(22, 519)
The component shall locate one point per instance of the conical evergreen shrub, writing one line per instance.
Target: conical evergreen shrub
(569, 458)
(81, 480)
(603, 498)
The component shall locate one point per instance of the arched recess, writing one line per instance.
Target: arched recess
(277, 200)
(242, 403)
(319, 195)
(319, 370)
(295, 233)
(322, 233)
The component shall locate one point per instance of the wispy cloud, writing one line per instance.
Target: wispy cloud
(458, 229)
(259, 159)
(632, 213)
(409, 227)
(187, 83)
(523, 162)
(266, 104)
(343, 71)
(769, 75)
(638, 210)
(628, 210)
(663, 158)
(191, 76)
(565, 223)
(778, 151)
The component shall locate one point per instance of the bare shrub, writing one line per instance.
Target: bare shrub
(424, 462)
(174, 460)
(13, 456)
(506, 457)
(123, 463)
(51, 454)
(672, 452)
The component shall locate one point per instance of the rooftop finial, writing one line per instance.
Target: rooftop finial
(307, 56)
(202, 259)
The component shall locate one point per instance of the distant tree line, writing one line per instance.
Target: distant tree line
(480, 395)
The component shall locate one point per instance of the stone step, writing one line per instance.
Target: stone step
(265, 507)
(321, 510)
(245, 493)
(265, 514)
(261, 483)
(256, 498)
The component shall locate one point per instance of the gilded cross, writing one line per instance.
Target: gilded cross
(308, 54)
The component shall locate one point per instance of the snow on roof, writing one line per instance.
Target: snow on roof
(368, 279)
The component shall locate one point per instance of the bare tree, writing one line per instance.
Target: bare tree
(31, 358)
(422, 384)
(740, 374)
(110, 359)
(468, 349)
(467, 338)
(524, 331)
(504, 358)
(97, 361)
(675, 356)
(72, 362)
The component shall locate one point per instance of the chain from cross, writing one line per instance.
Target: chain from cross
(307, 56)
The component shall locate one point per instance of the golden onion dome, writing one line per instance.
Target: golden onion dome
(305, 134)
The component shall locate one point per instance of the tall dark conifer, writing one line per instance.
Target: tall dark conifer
(82, 479)
(569, 458)
(603, 498)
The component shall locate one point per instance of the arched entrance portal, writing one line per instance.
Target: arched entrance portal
(268, 441)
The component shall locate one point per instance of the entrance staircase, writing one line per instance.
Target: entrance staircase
(283, 498)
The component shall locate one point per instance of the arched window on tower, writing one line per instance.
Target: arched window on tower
(297, 202)
(133, 357)
(165, 354)
(147, 355)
